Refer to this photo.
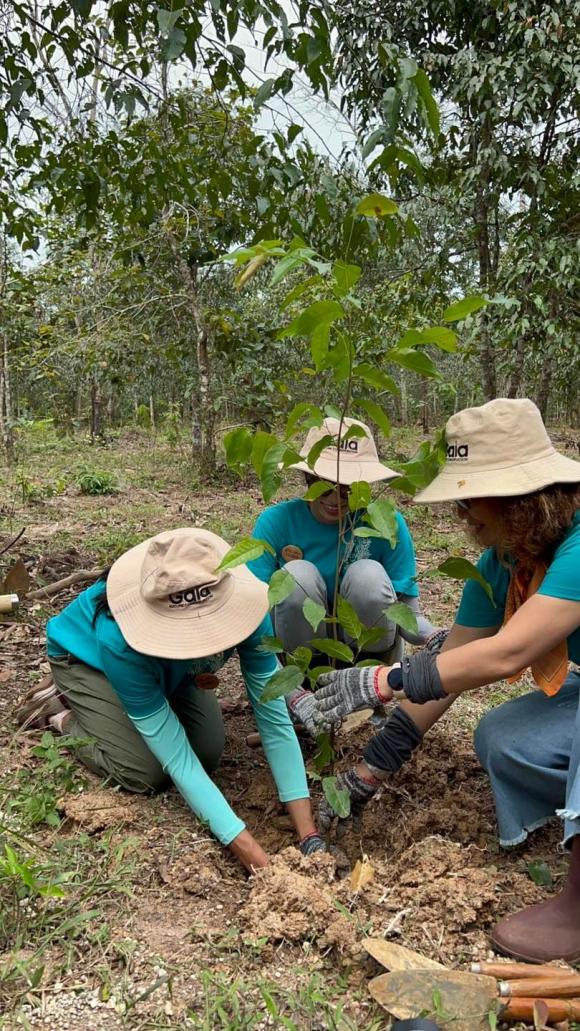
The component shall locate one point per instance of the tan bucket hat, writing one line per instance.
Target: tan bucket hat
(169, 601)
(499, 450)
(358, 459)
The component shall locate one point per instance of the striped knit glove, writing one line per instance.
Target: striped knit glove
(342, 691)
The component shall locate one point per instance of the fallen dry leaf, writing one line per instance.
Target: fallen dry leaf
(363, 873)
(17, 580)
(356, 719)
(6, 675)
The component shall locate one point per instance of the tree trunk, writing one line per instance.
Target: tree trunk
(545, 387)
(96, 410)
(203, 415)
(6, 422)
(485, 216)
(151, 412)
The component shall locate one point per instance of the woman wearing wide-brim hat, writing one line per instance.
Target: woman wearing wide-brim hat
(520, 499)
(132, 658)
(304, 538)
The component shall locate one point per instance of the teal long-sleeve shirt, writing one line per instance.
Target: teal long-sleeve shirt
(145, 685)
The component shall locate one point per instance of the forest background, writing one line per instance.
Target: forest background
(140, 145)
(219, 222)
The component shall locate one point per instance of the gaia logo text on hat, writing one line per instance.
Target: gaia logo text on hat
(190, 596)
(350, 445)
(458, 452)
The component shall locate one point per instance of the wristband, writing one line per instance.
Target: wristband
(381, 698)
(313, 834)
(420, 678)
(393, 746)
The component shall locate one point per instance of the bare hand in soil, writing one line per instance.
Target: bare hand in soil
(248, 851)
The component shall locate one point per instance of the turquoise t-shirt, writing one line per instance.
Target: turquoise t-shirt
(145, 685)
(562, 580)
(292, 523)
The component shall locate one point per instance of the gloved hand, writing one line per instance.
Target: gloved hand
(312, 843)
(344, 690)
(436, 640)
(360, 792)
(304, 710)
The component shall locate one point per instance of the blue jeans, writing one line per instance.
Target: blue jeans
(530, 749)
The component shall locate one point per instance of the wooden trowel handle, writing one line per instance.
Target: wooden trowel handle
(541, 987)
(558, 1009)
(507, 971)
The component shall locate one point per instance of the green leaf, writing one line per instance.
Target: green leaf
(382, 515)
(461, 309)
(315, 417)
(366, 531)
(317, 314)
(238, 446)
(348, 618)
(244, 551)
(428, 101)
(441, 336)
(317, 489)
(277, 457)
(346, 277)
(281, 683)
(463, 569)
(166, 20)
(317, 449)
(299, 289)
(376, 378)
(335, 649)
(319, 342)
(313, 613)
(415, 360)
(325, 753)
(370, 636)
(376, 206)
(359, 495)
(403, 616)
(540, 873)
(376, 413)
(336, 797)
(271, 644)
(264, 93)
(316, 671)
(262, 442)
(281, 585)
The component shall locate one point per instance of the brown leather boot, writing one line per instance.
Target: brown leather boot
(550, 930)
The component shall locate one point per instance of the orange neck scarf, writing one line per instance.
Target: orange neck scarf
(551, 669)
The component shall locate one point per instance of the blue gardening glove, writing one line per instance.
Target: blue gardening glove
(360, 792)
(304, 711)
(344, 690)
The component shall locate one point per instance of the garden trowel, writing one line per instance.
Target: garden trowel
(397, 957)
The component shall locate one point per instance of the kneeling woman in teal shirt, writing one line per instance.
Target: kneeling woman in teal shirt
(130, 657)
(520, 499)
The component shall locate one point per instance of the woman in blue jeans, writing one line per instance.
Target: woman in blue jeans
(520, 499)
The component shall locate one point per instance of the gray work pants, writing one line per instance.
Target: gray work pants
(365, 585)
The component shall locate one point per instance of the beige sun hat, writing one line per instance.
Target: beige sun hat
(499, 450)
(357, 458)
(170, 602)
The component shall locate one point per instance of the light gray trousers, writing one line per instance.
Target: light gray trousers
(365, 585)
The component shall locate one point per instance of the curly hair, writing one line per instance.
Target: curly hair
(532, 526)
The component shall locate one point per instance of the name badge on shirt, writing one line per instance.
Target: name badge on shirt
(291, 552)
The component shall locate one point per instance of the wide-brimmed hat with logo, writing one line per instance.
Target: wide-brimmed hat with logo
(170, 602)
(499, 450)
(357, 458)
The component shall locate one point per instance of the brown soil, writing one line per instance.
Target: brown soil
(439, 884)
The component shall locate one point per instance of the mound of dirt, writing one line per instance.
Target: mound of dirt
(292, 900)
(96, 810)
